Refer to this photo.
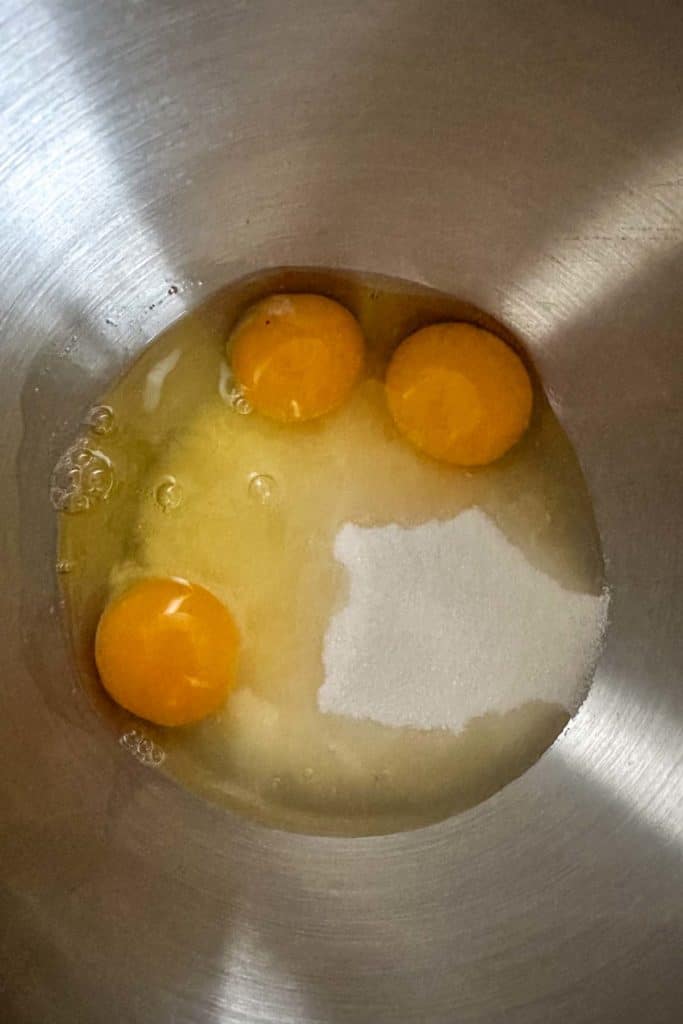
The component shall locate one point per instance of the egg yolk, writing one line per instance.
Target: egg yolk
(296, 357)
(167, 651)
(459, 393)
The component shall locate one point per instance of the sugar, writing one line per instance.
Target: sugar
(447, 621)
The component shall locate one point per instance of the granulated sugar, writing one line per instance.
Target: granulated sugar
(447, 621)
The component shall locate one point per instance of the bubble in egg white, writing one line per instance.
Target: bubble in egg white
(168, 494)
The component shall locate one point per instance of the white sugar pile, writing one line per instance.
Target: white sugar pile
(447, 621)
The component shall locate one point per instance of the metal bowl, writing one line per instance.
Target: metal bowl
(525, 157)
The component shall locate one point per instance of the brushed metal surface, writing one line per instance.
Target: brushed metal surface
(525, 156)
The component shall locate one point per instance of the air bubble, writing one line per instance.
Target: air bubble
(168, 494)
(276, 782)
(143, 749)
(230, 393)
(100, 419)
(82, 478)
(58, 500)
(263, 489)
(238, 403)
(76, 503)
(96, 480)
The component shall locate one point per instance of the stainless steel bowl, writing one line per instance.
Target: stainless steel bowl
(525, 156)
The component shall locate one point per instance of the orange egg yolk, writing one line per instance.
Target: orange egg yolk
(167, 651)
(459, 393)
(296, 357)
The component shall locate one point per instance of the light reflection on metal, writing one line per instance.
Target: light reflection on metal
(622, 229)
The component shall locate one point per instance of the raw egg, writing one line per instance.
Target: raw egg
(167, 651)
(296, 357)
(459, 393)
(371, 637)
